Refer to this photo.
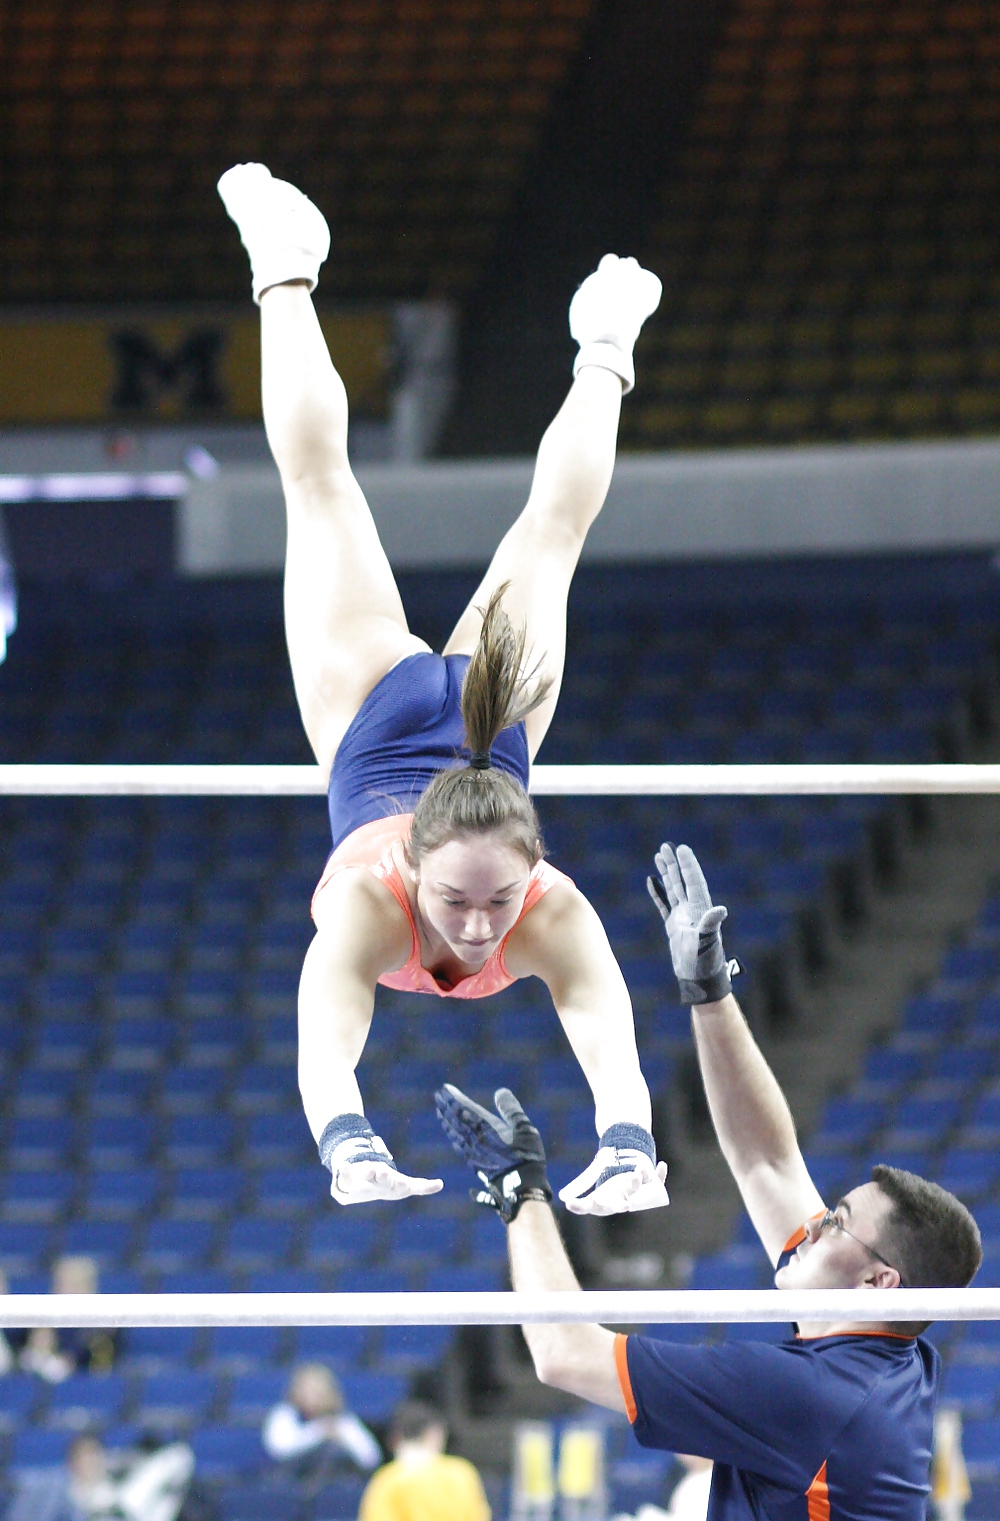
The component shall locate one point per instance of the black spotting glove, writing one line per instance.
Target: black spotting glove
(504, 1150)
(693, 925)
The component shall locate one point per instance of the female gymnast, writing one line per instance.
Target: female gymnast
(437, 882)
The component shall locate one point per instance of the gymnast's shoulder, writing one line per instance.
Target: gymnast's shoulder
(561, 927)
(356, 909)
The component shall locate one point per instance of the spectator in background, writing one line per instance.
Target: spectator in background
(422, 1483)
(312, 1434)
(55, 1354)
(98, 1485)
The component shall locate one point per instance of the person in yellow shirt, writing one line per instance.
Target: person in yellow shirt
(422, 1483)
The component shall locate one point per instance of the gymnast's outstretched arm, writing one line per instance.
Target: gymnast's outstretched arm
(563, 942)
(356, 941)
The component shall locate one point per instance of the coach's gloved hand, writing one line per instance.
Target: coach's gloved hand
(504, 1150)
(623, 1177)
(607, 312)
(362, 1165)
(283, 232)
(693, 926)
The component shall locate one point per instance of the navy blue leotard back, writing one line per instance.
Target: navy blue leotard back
(408, 728)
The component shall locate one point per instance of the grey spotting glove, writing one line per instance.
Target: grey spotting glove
(504, 1149)
(693, 925)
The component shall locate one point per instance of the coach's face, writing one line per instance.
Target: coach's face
(843, 1252)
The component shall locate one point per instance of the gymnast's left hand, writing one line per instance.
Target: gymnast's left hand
(623, 1177)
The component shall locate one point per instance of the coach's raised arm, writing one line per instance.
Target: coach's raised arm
(832, 1423)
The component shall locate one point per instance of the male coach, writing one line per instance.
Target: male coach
(835, 1425)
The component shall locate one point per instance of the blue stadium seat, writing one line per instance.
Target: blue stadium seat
(277, 1038)
(146, 947)
(213, 1042)
(23, 1246)
(87, 1399)
(341, 1346)
(140, 995)
(241, 1502)
(112, 1092)
(292, 1190)
(411, 1349)
(39, 1447)
(373, 1396)
(19, 1395)
(107, 1241)
(488, 1240)
(278, 1139)
(176, 1399)
(139, 1042)
(341, 1497)
(273, 991)
(932, 1014)
(419, 1237)
(121, 1195)
(38, 1142)
(172, 1245)
(264, 1089)
(847, 1123)
(118, 1140)
(197, 1140)
(286, 1281)
(43, 1092)
(969, 963)
(210, 993)
(920, 1121)
(468, 1279)
(974, 1389)
(36, 1197)
(240, 1348)
(348, 1236)
(155, 1349)
(252, 1244)
(376, 1280)
(252, 1395)
(222, 1452)
(205, 1193)
(65, 1042)
(737, 1267)
(190, 1090)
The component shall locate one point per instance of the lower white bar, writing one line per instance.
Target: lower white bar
(613, 1307)
(546, 781)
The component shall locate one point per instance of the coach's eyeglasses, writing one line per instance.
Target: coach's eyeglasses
(832, 1221)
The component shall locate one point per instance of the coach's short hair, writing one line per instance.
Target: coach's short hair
(928, 1234)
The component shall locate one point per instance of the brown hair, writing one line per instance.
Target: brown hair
(413, 1420)
(928, 1234)
(478, 798)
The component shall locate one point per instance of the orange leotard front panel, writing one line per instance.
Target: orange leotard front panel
(371, 847)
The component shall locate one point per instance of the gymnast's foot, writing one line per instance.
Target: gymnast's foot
(283, 232)
(607, 312)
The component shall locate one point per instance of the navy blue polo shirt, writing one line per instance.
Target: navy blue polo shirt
(829, 1428)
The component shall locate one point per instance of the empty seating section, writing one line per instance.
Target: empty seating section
(409, 121)
(827, 234)
(149, 953)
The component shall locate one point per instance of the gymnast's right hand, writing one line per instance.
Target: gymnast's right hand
(361, 1165)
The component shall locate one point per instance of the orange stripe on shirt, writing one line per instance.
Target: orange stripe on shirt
(818, 1497)
(621, 1366)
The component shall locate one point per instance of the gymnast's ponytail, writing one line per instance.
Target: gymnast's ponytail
(477, 798)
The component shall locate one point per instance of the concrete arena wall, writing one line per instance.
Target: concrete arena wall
(808, 501)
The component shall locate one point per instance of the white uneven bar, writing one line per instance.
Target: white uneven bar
(546, 781)
(612, 1307)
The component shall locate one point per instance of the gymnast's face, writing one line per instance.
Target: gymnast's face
(842, 1252)
(470, 892)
